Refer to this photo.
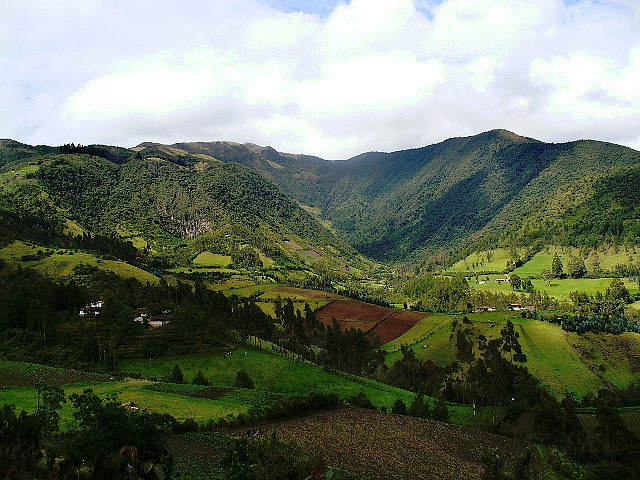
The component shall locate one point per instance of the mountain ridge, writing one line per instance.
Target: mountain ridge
(394, 206)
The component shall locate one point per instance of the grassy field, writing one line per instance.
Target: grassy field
(496, 260)
(61, 262)
(137, 391)
(557, 288)
(270, 372)
(484, 261)
(562, 361)
(241, 285)
(215, 260)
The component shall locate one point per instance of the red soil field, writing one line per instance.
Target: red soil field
(388, 323)
(314, 294)
(386, 446)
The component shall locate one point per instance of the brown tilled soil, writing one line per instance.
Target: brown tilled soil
(388, 323)
(314, 294)
(386, 446)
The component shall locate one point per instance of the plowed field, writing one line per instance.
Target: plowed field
(386, 446)
(388, 323)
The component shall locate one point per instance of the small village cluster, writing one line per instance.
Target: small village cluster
(140, 314)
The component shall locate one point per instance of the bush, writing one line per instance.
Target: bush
(399, 407)
(175, 376)
(419, 408)
(361, 400)
(440, 411)
(200, 379)
(243, 380)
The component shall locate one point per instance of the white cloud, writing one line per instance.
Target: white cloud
(369, 75)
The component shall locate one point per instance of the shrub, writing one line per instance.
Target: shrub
(361, 400)
(243, 380)
(399, 407)
(200, 379)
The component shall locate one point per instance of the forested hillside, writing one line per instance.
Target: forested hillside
(406, 204)
(169, 204)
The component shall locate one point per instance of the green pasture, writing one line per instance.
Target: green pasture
(71, 227)
(554, 361)
(137, 391)
(421, 333)
(562, 361)
(61, 262)
(556, 288)
(613, 358)
(495, 260)
(270, 308)
(213, 260)
(241, 285)
(266, 300)
(270, 372)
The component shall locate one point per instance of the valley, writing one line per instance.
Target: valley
(463, 292)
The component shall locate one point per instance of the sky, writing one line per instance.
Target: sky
(322, 77)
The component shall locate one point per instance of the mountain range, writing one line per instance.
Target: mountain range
(272, 208)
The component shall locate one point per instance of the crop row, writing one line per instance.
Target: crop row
(22, 374)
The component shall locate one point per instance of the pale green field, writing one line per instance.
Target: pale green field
(425, 328)
(270, 308)
(62, 262)
(241, 285)
(496, 260)
(485, 261)
(72, 228)
(562, 361)
(179, 406)
(553, 360)
(215, 260)
(557, 288)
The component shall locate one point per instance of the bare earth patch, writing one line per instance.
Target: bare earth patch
(302, 292)
(388, 323)
(386, 446)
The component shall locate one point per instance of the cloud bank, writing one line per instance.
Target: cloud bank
(330, 79)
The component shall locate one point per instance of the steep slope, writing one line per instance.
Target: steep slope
(599, 208)
(172, 204)
(392, 206)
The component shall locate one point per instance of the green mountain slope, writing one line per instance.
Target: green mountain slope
(600, 208)
(170, 203)
(391, 206)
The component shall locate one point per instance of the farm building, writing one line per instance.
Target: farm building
(91, 309)
(485, 308)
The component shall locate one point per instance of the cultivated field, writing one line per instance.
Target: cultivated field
(386, 446)
(388, 323)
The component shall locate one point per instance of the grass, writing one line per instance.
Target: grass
(485, 261)
(61, 262)
(214, 260)
(557, 288)
(242, 285)
(270, 372)
(496, 260)
(562, 361)
(179, 406)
